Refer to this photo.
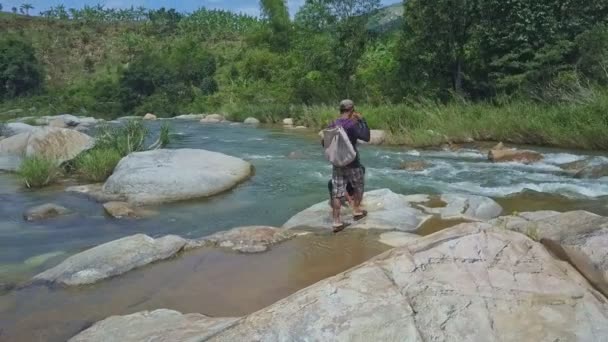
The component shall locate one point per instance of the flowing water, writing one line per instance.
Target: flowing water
(284, 184)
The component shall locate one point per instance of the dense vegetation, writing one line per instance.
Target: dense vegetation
(522, 71)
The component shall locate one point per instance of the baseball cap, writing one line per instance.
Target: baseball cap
(346, 105)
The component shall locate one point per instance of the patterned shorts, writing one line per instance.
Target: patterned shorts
(342, 176)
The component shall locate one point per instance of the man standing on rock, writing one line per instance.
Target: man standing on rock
(356, 128)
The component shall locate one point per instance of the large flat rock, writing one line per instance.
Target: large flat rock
(466, 283)
(112, 259)
(172, 175)
(157, 325)
(578, 236)
(390, 211)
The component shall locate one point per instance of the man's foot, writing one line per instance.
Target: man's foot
(338, 227)
(359, 216)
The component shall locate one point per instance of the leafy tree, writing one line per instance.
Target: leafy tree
(20, 72)
(14, 9)
(277, 15)
(529, 41)
(25, 8)
(436, 45)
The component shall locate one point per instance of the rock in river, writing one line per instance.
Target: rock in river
(158, 325)
(45, 211)
(391, 211)
(111, 259)
(172, 175)
(190, 117)
(593, 171)
(120, 210)
(512, 155)
(253, 239)
(58, 144)
(461, 284)
(149, 116)
(415, 165)
(251, 121)
(213, 118)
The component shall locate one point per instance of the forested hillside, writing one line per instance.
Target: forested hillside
(522, 71)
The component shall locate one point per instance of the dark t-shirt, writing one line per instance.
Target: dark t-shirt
(356, 130)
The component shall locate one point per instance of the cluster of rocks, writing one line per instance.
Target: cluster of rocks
(120, 256)
(475, 281)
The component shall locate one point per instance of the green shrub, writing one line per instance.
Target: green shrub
(20, 72)
(37, 172)
(97, 164)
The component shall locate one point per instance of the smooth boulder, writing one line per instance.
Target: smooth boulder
(44, 212)
(580, 237)
(57, 144)
(512, 155)
(14, 128)
(390, 211)
(161, 176)
(288, 122)
(387, 210)
(251, 121)
(253, 239)
(112, 259)
(149, 116)
(158, 325)
(190, 117)
(213, 118)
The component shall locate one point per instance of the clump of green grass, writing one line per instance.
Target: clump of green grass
(97, 164)
(37, 172)
(114, 143)
(125, 139)
(163, 138)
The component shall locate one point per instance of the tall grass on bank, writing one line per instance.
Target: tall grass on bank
(570, 125)
(37, 172)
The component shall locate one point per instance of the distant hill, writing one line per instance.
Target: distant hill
(387, 18)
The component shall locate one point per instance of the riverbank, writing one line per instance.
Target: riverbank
(578, 124)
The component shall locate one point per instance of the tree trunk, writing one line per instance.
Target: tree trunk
(458, 76)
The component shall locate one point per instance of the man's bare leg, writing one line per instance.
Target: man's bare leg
(336, 204)
(358, 198)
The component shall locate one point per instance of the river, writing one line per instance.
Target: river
(290, 175)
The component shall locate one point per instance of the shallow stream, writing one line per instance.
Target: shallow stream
(290, 175)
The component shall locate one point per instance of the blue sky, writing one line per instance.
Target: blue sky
(245, 6)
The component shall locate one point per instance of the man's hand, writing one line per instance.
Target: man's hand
(357, 116)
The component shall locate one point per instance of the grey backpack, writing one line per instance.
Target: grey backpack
(338, 149)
